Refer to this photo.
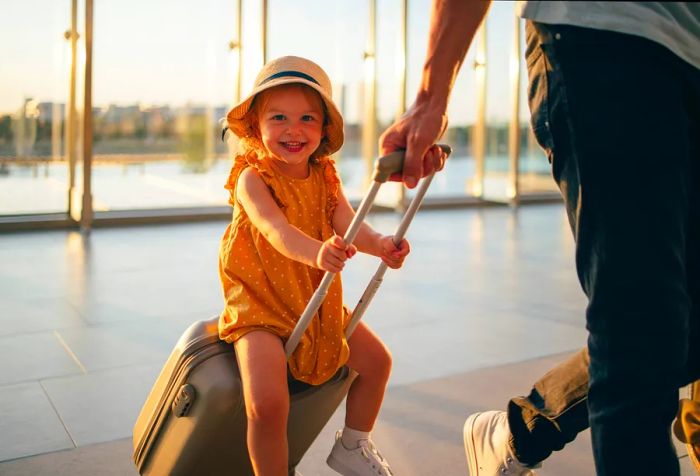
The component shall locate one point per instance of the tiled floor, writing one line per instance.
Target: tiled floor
(87, 321)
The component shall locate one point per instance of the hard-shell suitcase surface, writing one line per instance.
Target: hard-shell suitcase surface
(194, 421)
(195, 413)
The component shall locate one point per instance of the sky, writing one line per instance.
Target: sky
(176, 51)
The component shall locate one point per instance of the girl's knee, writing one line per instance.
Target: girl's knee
(380, 363)
(369, 357)
(269, 409)
(386, 360)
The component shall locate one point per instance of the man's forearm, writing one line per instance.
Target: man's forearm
(453, 24)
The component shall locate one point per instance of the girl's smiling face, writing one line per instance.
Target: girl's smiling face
(291, 127)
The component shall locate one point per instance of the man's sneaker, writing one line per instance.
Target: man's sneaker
(364, 460)
(486, 443)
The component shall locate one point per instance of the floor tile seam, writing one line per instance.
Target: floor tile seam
(94, 324)
(69, 351)
(427, 322)
(99, 370)
(58, 415)
(99, 325)
(76, 309)
(47, 454)
(85, 325)
(576, 325)
(83, 369)
(486, 368)
(45, 331)
(39, 379)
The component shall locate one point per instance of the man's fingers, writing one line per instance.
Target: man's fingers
(440, 159)
(412, 163)
(422, 156)
(391, 140)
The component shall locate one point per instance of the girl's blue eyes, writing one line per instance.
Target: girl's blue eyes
(281, 117)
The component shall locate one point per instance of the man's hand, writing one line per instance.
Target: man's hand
(416, 133)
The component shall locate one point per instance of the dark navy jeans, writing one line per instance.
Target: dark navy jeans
(619, 119)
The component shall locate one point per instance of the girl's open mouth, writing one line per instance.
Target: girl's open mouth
(293, 146)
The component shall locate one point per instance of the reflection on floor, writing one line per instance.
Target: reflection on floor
(487, 301)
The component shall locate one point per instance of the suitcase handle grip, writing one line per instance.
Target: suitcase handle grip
(392, 163)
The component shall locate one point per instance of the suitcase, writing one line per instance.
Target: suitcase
(194, 419)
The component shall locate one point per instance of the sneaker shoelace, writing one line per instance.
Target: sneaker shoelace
(370, 452)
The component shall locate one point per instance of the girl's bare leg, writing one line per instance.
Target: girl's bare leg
(263, 367)
(372, 361)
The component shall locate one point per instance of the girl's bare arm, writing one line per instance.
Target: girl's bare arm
(255, 198)
(367, 240)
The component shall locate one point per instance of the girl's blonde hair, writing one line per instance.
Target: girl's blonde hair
(247, 128)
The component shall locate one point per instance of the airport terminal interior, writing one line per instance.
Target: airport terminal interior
(112, 207)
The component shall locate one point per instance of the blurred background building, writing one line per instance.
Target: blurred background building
(109, 111)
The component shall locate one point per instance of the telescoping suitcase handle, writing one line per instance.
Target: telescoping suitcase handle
(384, 167)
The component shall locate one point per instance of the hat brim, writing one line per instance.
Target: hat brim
(334, 128)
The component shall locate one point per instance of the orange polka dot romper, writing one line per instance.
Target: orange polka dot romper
(264, 290)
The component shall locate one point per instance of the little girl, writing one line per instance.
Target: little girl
(289, 215)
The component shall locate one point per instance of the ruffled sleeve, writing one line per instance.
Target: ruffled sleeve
(249, 159)
(330, 175)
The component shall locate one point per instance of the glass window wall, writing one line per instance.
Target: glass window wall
(159, 87)
(163, 78)
(499, 100)
(33, 94)
(457, 181)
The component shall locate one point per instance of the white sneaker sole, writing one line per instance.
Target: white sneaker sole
(469, 445)
(340, 468)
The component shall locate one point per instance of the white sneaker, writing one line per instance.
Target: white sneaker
(365, 460)
(486, 443)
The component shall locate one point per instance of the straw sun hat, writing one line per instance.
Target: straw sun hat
(288, 70)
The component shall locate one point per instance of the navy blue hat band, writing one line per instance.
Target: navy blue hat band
(295, 74)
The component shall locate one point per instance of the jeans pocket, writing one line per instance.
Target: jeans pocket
(538, 99)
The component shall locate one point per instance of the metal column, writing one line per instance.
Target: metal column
(369, 128)
(86, 214)
(71, 129)
(513, 190)
(401, 61)
(479, 136)
(236, 46)
(263, 32)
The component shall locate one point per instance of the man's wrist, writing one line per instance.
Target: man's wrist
(431, 100)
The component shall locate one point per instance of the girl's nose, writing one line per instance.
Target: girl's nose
(293, 128)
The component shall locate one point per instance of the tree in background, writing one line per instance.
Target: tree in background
(196, 142)
(24, 127)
